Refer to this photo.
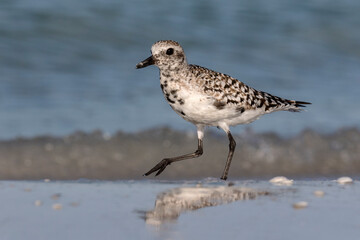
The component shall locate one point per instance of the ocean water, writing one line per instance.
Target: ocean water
(70, 65)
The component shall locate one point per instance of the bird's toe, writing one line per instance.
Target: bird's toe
(160, 167)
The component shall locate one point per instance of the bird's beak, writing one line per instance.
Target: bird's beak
(147, 62)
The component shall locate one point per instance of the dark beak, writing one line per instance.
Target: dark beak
(147, 62)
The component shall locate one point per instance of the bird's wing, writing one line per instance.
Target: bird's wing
(224, 89)
(229, 92)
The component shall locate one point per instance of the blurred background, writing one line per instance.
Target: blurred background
(72, 104)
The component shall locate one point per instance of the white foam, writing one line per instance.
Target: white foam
(344, 180)
(281, 180)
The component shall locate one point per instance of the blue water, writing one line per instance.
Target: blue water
(70, 65)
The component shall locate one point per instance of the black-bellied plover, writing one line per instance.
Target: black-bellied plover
(208, 98)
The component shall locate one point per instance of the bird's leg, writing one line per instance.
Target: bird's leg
(160, 167)
(232, 146)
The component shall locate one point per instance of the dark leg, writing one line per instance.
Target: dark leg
(232, 146)
(160, 167)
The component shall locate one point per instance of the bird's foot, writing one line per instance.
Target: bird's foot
(223, 178)
(160, 167)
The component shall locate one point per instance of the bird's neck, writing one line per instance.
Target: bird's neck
(173, 74)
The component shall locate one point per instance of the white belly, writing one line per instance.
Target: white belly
(200, 109)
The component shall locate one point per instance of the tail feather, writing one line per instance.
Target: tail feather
(297, 104)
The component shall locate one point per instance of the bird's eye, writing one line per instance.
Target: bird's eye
(170, 51)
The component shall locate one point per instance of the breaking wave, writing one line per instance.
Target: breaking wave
(129, 155)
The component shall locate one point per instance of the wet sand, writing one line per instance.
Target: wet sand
(305, 209)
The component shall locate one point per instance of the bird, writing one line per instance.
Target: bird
(205, 98)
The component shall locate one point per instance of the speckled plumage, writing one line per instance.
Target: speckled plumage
(209, 98)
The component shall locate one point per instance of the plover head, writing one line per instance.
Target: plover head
(165, 54)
